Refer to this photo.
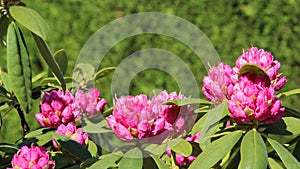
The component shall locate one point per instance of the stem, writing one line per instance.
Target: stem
(23, 120)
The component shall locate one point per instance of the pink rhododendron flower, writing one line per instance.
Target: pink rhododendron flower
(89, 103)
(253, 100)
(265, 60)
(72, 132)
(219, 82)
(180, 159)
(35, 157)
(56, 108)
(138, 117)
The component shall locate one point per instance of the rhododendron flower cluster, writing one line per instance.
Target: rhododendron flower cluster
(56, 108)
(251, 97)
(35, 157)
(180, 159)
(89, 103)
(72, 132)
(138, 117)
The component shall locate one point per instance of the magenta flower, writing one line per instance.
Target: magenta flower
(180, 159)
(56, 108)
(253, 101)
(138, 117)
(35, 157)
(72, 132)
(89, 103)
(265, 60)
(219, 83)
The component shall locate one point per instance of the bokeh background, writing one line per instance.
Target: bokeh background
(230, 25)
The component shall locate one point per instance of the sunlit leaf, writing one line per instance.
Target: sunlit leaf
(253, 69)
(19, 69)
(132, 159)
(156, 149)
(106, 161)
(92, 148)
(30, 19)
(180, 146)
(103, 72)
(287, 158)
(62, 60)
(273, 164)
(37, 132)
(100, 127)
(53, 80)
(160, 164)
(48, 57)
(215, 151)
(253, 151)
(183, 102)
(289, 93)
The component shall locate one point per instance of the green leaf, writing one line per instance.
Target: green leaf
(211, 123)
(37, 132)
(8, 148)
(216, 151)
(156, 149)
(103, 72)
(273, 164)
(132, 159)
(19, 69)
(106, 161)
(3, 92)
(180, 146)
(291, 112)
(100, 127)
(83, 75)
(4, 22)
(54, 80)
(253, 69)
(72, 147)
(48, 57)
(62, 60)
(93, 149)
(6, 81)
(30, 20)
(289, 93)
(287, 158)
(160, 164)
(253, 151)
(183, 102)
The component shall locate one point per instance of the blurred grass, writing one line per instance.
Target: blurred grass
(230, 25)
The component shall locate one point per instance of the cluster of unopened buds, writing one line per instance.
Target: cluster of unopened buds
(249, 87)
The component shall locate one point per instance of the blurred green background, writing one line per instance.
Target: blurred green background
(230, 25)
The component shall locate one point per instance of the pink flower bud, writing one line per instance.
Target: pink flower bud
(35, 157)
(138, 117)
(219, 82)
(253, 101)
(56, 108)
(72, 132)
(265, 60)
(89, 103)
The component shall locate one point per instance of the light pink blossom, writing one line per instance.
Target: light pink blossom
(219, 83)
(138, 117)
(253, 101)
(266, 61)
(72, 132)
(180, 159)
(56, 108)
(89, 103)
(35, 157)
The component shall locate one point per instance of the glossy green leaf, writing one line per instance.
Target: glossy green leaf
(183, 102)
(253, 69)
(30, 19)
(48, 57)
(37, 132)
(4, 22)
(8, 148)
(19, 69)
(273, 164)
(72, 147)
(216, 151)
(180, 146)
(103, 72)
(106, 161)
(132, 159)
(287, 158)
(211, 123)
(289, 93)
(253, 151)
(62, 60)
(92, 148)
